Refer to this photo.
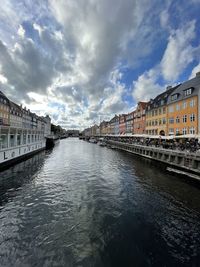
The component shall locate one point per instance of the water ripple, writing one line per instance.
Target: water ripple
(85, 205)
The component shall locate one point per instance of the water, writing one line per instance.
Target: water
(86, 205)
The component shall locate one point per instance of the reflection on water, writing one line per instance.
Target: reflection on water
(85, 205)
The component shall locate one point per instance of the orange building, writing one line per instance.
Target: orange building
(139, 118)
(183, 108)
(156, 113)
(122, 124)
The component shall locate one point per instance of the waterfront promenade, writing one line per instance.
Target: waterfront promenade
(182, 159)
(81, 204)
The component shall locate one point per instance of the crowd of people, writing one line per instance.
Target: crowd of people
(189, 145)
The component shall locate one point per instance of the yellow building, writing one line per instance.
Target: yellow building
(156, 113)
(183, 108)
(4, 110)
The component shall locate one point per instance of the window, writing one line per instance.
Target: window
(177, 119)
(164, 121)
(192, 117)
(160, 111)
(184, 131)
(174, 97)
(184, 104)
(156, 112)
(192, 130)
(184, 118)
(164, 110)
(171, 120)
(188, 91)
(177, 107)
(192, 103)
(171, 131)
(177, 131)
(171, 109)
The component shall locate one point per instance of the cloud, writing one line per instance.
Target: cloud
(26, 69)
(147, 86)
(21, 31)
(179, 52)
(67, 57)
(194, 71)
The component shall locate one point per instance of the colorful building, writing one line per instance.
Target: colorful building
(184, 108)
(15, 115)
(156, 113)
(114, 125)
(122, 124)
(4, 110)
(139, 118)
(129, 123)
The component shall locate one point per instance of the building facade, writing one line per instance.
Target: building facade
(114, 125)
(156, 113)
(129, 123)
(183, 108)
(139, 119)
(4, 110)
(122, 124)
(16, 115)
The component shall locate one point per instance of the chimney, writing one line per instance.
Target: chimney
(198, 74)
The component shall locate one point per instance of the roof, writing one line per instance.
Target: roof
(15, 106)
(157, 101)
(193, 83)
(4, 97)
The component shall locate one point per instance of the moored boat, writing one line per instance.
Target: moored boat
(93, 140)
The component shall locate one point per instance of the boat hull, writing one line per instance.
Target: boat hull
(13, 155)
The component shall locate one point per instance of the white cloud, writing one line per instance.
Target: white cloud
(21, 31)
(194, 71)
(38, 28)
(146, 86)
(69, 65)
(179, 52)
(164, 18)
(3, 79)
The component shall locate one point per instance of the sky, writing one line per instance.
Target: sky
(82, 61)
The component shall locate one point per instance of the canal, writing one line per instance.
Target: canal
(85, 205)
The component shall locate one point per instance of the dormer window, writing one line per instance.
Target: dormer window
(174, 97)
(188, 91)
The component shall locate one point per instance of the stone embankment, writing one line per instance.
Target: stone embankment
(182, 160)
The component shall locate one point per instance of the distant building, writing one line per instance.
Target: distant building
(122, 124)
(45, 124)
(4, 110)
(26, 118)
(73, 133)
(103, 128)
(114, 125)
(139, 118)
(129, 123)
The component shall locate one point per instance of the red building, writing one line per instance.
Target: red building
(139, 118)
(122, 124)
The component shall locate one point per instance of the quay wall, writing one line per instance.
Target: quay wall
(180, 159)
